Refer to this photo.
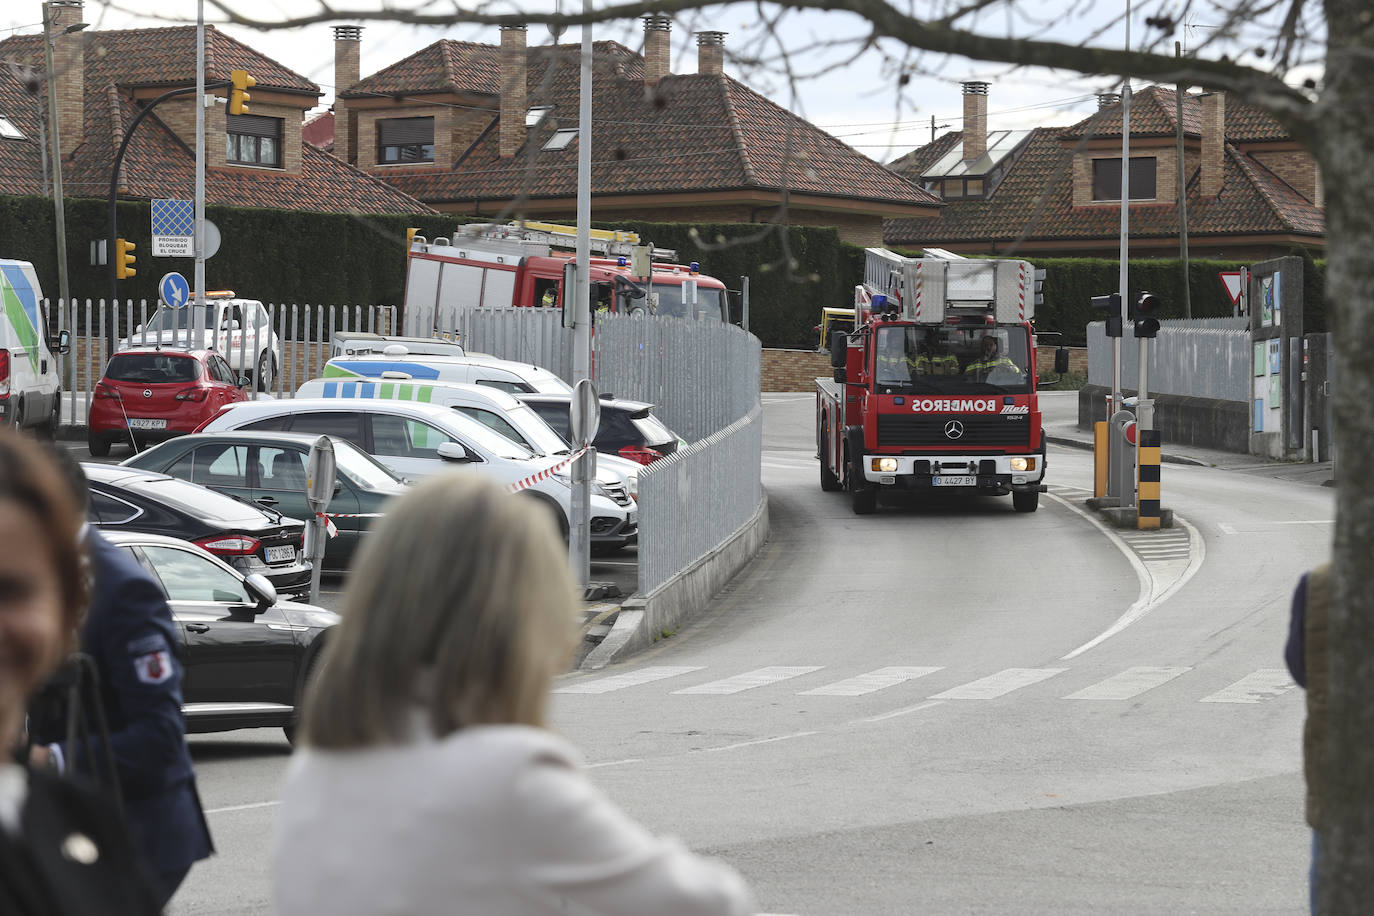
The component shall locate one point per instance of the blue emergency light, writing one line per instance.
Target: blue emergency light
(621, 262)
(694, 267)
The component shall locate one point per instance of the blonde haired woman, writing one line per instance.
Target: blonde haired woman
(427, 782)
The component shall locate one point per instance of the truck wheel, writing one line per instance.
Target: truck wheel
(98, 446)
(865, 500)
(1025, 500)
(829, 482)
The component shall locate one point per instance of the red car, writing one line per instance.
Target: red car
(153, 393)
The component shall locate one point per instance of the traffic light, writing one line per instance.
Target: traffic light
(238, 96)
(1144, 312)
(1110, 307)
(124, 259)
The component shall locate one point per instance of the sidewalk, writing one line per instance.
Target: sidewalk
(1059, 413)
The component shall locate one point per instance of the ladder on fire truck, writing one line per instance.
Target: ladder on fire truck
(607, 242)
(929, 288)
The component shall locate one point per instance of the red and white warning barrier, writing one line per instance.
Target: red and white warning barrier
(329, 525)
(546, 473)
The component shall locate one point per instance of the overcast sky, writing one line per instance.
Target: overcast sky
(851, 95)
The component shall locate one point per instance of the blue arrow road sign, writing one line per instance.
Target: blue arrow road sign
(174, 289)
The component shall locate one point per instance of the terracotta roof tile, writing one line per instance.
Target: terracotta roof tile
(21, 164)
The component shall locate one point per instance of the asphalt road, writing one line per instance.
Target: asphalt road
(898, 714)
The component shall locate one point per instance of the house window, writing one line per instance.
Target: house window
(253, 140)
(1107, 178)
(973, 187)
(8, 130)
(561, 138)
(402, 140)
(536, 114)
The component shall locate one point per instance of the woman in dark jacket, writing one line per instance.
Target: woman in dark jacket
(61, 850)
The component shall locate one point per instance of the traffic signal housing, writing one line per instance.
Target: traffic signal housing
(1110, 309)
(238, 95)
(1144, 313)
(124, 259)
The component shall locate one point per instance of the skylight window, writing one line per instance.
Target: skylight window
(561, 138)
(536, 114)
(8, 130)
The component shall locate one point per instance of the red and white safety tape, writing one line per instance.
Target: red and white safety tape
(329, 525)
(546, 473)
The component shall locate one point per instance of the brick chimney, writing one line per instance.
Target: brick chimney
(1213, 143)
(68, 61)
(1107, 100)
(975, 120)
(656, 50)
(513, 107)
(711, 52)
(347, 72)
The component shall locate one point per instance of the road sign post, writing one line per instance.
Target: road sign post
(320, 478)
(584, 419)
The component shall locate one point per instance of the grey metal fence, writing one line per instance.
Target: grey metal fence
(694, 500)
(1202, 357)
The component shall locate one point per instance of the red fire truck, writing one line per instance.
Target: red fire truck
(934, 390)
(489, 264)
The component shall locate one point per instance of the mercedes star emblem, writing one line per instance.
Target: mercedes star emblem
(954, 430)
(147, 392)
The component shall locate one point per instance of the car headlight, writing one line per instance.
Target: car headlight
(885, 465)
(1023, 464)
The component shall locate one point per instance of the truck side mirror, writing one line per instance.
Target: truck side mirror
(64, 342)
(1061, 361)
(839, 346)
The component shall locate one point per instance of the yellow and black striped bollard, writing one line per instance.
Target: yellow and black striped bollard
(1147, 483)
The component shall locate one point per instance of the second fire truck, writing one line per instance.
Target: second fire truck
(935, 389)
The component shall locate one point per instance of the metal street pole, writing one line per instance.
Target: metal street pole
(199, 312)
(1182, 190)
(579, 525)
(59, 204)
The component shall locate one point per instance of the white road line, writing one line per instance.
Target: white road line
(868, 683)
(777, 466)
(1225, 528)
(999, 684)
(732, 747)
(1254, 688)
(628, 679)
(899, 712)
(751, 679)
(614, 763)
(1258, 526)
(1130, 683)
(248, 807)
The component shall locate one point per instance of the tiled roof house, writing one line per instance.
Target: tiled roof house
(1252, 191)
(103, 78)
(484, 130)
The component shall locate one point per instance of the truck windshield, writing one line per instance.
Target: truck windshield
(170, 319)
(951, 360)
(709, 302)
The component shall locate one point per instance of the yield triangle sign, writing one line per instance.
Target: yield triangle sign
(1231, 280)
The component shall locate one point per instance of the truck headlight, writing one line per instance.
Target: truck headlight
(885, 465)
(1023, 464)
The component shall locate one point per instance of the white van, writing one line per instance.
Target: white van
(397, 363)
(504, 413)
(30, 384)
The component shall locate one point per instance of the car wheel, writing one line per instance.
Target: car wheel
(98, 446)
(265, 374)
(1025, 500)
(312, 674)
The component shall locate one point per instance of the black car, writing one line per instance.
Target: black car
(247, 656)
(252, 539)
(269, 468)
(628, 428)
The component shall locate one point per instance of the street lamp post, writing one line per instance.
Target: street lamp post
(59, 204)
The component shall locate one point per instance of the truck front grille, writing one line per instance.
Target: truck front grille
(1009, 431)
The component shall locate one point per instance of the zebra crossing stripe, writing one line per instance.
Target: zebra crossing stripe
(1130, 683)
(999, 684)
(1254, 688)
(628, 679)
(761, 677)
(868, 683)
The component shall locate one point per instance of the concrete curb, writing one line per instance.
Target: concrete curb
(1088, 447)
(644, 618)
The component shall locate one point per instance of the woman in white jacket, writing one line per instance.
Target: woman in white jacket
(427, 782)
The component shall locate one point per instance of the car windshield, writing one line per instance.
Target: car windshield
(942, 359)
(534, 428)
(709, 301)
(488, 440)
(152, 368)
(170, 319)
(362, 468)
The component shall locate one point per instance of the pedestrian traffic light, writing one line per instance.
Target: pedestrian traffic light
(1110, 309)
(1146, 307)
(238, 96)
(124, 259)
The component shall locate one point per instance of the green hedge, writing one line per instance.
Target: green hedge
(344, 259)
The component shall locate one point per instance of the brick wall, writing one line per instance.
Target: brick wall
(1078, 360)
(793, 370)
(1297, 168)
